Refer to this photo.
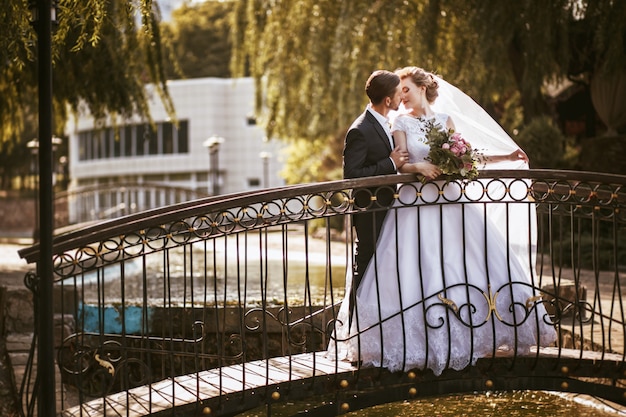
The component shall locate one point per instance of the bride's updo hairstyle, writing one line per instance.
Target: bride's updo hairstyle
(421, 78)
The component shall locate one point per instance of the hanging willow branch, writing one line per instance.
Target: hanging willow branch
(102, 60)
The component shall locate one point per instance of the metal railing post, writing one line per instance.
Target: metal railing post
(46, 403)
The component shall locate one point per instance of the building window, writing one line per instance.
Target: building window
(88, 145)
(129, 139)
(167, 134)
(98, 145)
(152, 137)
(117, 142)
(82, 146)
(134, 140)
(140, 139)
(107, 147)
(182, 136)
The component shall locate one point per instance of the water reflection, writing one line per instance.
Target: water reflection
(490, 404)
(221, 272)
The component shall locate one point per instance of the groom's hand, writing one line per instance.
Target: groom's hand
(399, 157)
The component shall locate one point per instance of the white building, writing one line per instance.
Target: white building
(206, 109)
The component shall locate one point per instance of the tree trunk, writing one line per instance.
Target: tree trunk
(532, 101)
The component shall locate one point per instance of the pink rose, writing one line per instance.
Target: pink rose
(445, 146)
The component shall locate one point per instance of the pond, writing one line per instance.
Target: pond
(225, 271)
(489, 404)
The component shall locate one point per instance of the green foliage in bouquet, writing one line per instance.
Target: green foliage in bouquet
(451, 153)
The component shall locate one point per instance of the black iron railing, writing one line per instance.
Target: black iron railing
(239, 292)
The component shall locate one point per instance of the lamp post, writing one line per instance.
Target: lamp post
(33, 145)
(213, 145)
(64, 171)
(265, 157)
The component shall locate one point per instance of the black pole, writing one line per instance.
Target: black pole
(33, 146)
(212, 162)
(46, 402)
(217, 170)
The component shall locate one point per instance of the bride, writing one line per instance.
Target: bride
(449, 282)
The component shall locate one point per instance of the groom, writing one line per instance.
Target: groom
(369, 150)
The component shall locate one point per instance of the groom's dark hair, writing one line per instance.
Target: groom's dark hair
(381, 84)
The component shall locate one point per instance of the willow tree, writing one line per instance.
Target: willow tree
(198, 36)
(311, 57)
(103, 54)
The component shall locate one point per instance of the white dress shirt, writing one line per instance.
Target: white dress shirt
(384, 122)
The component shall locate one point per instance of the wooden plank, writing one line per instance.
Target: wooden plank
(324, 365)
(555, 352)
(248, 379)
(273, 374)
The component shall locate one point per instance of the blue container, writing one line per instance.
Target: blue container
(133, 319)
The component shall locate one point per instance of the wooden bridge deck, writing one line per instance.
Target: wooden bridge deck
(196, 388)
(200, 391)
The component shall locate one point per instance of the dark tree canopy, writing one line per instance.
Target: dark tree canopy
(102, 58)
(103, 54)
(198, 38)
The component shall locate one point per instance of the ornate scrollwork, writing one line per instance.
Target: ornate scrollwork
(98, 365)
(253, 318)
(155, 238)
(94, 370)
(577, 311)
(31, 281)
(297, 331)
(511, 312)
(449, 303)
(105, 364)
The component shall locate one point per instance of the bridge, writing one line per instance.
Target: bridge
(93, 203)
(225, 304)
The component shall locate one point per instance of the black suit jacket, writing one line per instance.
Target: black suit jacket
(366, 149)
(365, 154)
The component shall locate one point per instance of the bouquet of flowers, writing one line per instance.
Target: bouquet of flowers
(451, 153)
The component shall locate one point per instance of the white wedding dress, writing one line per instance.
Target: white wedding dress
(444, 287)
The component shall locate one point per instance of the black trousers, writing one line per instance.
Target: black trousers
(368, 225)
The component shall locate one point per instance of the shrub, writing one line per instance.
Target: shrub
(544, 144)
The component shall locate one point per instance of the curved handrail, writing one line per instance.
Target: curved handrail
(155, 217)
(117, 186)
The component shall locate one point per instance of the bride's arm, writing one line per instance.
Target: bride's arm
(517, 155)
(399, 139)
(425, 168)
